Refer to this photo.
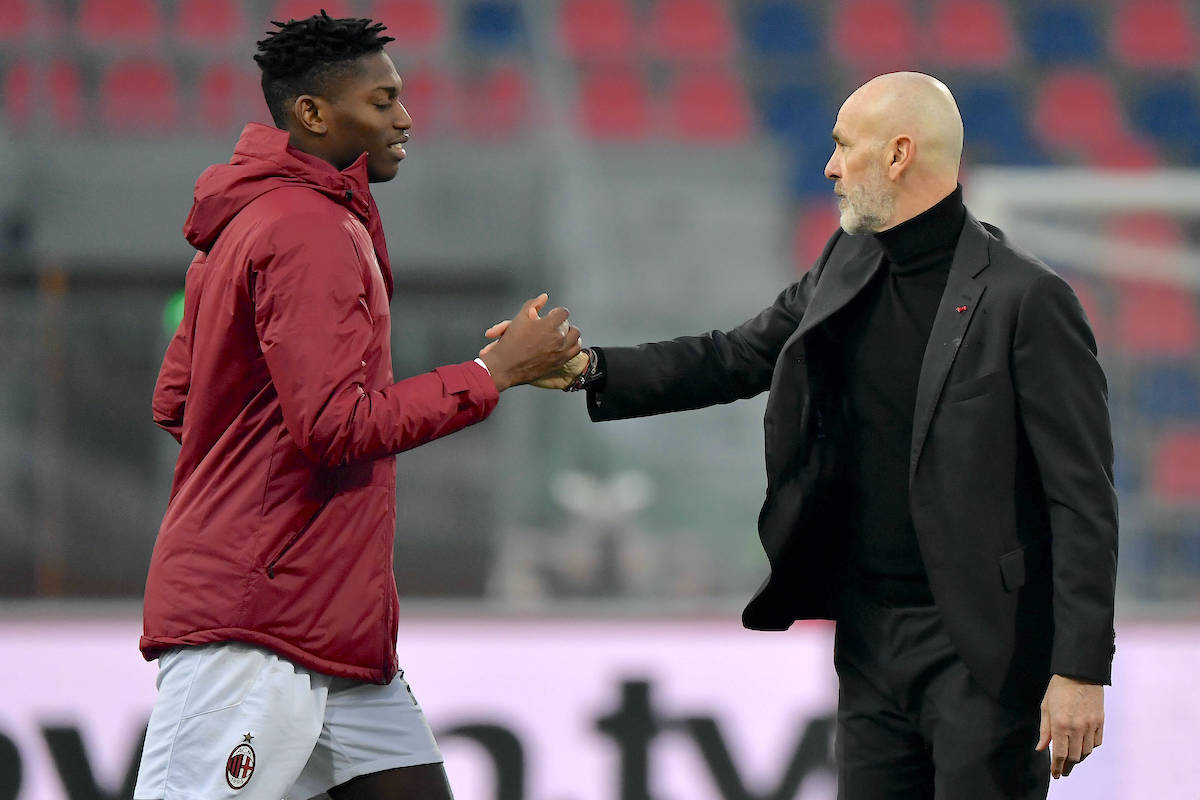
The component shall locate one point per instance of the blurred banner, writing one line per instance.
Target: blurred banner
(582, 709)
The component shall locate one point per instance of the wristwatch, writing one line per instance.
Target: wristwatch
(592, 373)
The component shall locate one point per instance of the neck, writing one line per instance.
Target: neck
(910, 203)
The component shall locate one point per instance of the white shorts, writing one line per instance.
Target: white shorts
(237, 721)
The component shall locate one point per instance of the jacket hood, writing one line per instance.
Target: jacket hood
(263, 161)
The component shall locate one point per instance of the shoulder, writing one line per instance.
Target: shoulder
(1011, 264)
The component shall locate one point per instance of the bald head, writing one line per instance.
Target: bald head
(916, 105)
(898, 144)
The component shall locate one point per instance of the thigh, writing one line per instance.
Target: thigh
(879, 751)
(230, 720)
(983, 749)
(374, 742)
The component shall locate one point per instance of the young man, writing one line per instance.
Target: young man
(271, 603)
(939, 468)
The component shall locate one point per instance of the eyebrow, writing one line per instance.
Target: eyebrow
(390, 91)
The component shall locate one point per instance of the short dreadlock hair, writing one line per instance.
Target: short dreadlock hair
(306, 56)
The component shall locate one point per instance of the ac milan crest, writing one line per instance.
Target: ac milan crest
(239, 767)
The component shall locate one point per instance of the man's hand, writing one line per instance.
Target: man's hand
(530, 346)
(1073, 719)
(559, 378)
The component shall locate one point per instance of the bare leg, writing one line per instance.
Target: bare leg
(422, 782)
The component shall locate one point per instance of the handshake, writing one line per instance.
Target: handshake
(542, 351)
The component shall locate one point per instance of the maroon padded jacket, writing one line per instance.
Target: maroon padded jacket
(278, 385)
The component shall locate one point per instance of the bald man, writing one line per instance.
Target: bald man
(939, 468)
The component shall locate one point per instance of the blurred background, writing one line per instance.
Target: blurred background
(656, 165)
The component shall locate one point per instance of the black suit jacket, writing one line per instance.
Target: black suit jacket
(1010, 475)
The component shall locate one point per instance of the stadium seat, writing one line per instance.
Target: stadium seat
(973, 34)
(1169, 391)
(120, 22)
(1077, 110)
(798, 112)
(996, 130)
(426, 95)
(1062, 33)
(16, 19)
(708, 107)
(210, 24)
(493, 24)
(1127, 151)
(416, 24)
(1155, 319)
(496, 106)
(284, 10)
(590, 29)
(1170, 113)
(139, 97)
(228, 96)
(66, 92)
(806, 171)
(815, 223)
(18, 96)
(690, 30)
(1154, 34)
(875, 35)
(614, 104)
(1176, 467)
(781, 28)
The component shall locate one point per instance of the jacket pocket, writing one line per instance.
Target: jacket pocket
(964, 390)
(274, 560)
(1020, 566)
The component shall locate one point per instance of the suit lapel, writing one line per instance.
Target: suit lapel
(839, 284)
(958, 305)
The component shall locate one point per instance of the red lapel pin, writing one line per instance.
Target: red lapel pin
(960, 309)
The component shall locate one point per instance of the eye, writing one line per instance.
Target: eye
(383, 106)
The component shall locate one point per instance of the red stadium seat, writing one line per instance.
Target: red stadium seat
(597, 28)
(1154, 33)
(614, 103)
(66, 93)
(120, 22)
(1156, 319)
(139, 97)
(972, 33)
(690, 30)
(415, 24)
(814, 225)
(1078, 110)
(285, 10)
(18, 95)
(1127, 152)
(16, 19)
(426, 95)
(495, 107)
(709, 107)
(1176, 467)
(875, 35)
(209, 24)
(229, 96)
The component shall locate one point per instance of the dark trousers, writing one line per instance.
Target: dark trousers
(913, 724)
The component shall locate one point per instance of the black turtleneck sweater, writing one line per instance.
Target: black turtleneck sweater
(881, 336)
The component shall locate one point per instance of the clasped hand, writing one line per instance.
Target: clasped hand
(529, 348)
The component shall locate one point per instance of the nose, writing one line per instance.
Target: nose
(403, 120)
(833, 170)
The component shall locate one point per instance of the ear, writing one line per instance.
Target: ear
(900, 155)
(308, 112)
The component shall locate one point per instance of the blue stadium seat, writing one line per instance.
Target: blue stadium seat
(1170, 113)
(1063, 33)
(996, 128)
(806, 171)
(1170, 391)
(800, 112)
(493, 24)
(780, 28)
